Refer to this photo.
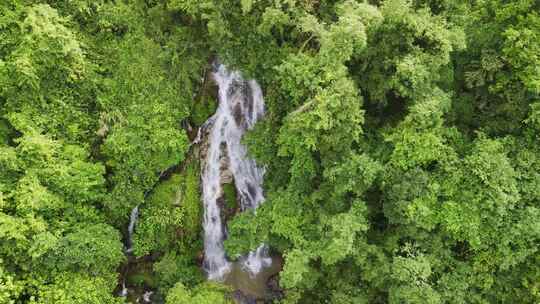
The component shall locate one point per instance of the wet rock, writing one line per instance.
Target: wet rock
(242, 107)
(147, 297)
(226, 176)
(220, 202)
(237, 113)
(248, 100)
(274, 291)
(203, 145)
(228, 207)
(241, 298)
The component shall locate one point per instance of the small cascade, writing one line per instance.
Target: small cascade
(124, 290)
(147, 296)
(241, 105)
(257, 260)
(134, 216)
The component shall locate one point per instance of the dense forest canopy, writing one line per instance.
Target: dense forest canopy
(401, 146)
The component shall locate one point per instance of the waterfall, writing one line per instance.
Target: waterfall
(241, 104)
(131, 227)
(133, 217)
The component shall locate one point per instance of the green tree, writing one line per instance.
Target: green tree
(205, 293)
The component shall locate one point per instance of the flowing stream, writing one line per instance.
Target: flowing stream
(241, 104)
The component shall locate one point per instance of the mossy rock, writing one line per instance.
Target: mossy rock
(166, 193)
(229, 192)
(143, 279)
(141, 275)
(176, 267)
(171, 215)
(191, 200)
(202, 110)
(182, 191)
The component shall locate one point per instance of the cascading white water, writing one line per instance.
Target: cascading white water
(133, 217)
(241, 104)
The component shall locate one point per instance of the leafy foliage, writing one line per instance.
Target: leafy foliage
(400, 141)
(205, 294)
